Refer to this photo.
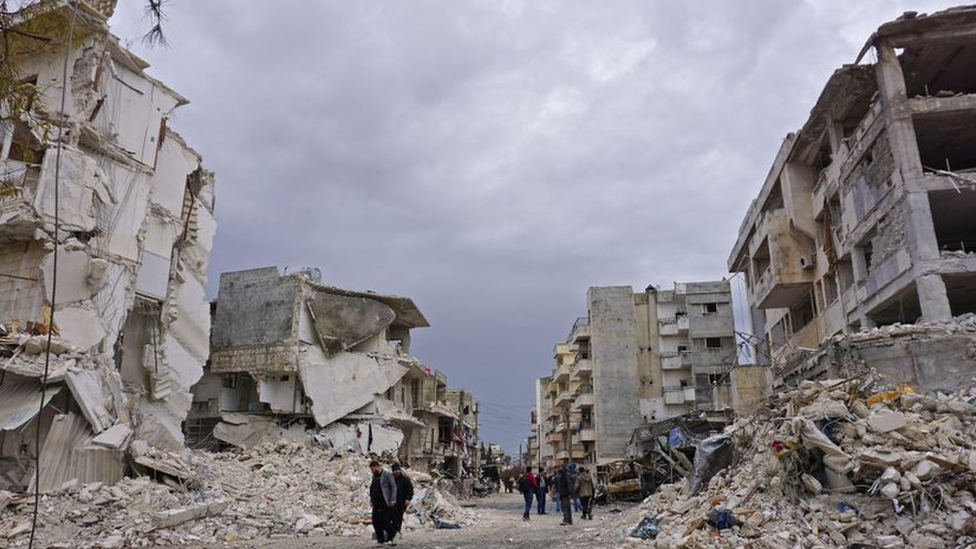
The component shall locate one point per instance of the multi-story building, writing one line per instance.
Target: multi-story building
(635, 358)
(289, 351)
(94, 181)
(866, 216)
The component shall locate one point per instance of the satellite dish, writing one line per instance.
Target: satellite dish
(313, 273)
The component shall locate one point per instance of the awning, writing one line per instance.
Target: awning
(20, 402)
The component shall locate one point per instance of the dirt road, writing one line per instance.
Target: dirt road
(501, 526)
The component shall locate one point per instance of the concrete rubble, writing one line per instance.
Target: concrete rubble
(272, 490)
(834, 463)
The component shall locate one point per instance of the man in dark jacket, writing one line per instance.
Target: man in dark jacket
(383, 497)
(542, 486)
(527, 487)
(564, 485)
(404, 490)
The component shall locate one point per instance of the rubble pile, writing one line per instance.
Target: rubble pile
(960, 325)
(274, 490)
(835, 463)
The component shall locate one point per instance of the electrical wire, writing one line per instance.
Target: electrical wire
(54, 276)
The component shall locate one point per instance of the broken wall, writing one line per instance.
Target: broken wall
(136, 228)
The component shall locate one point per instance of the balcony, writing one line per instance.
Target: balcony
(585, 400)
(580, 330)
(562, 373)
(583, 367)
(579, 452)
(587, 434)
(675, 361)
(679, 395)
(563, 398)
(18, 184)
(781, 262)
(675, 325)
(554, 438)
(563, 455)
(561, 427)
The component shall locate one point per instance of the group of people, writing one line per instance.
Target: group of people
(389, 493)
(566, 486)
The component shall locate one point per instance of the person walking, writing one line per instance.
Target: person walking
(564, 485)
(404, 493)
(542, 484)
(584, 491)
(527, 486)
(383, 498)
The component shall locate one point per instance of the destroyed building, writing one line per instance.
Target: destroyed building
(635, 358)
(135, 210)
(866, 216)
(293, 358)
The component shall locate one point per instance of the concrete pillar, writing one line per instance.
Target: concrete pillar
(933, 299)
(901, 130)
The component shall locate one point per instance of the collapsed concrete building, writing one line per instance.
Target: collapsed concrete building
(292, 358)
(136, 212)
(866, 218)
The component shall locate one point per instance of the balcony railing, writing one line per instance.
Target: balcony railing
(580, 327)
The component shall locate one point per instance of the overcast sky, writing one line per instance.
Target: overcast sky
(492, 159)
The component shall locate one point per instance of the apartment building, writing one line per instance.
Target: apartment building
(130, 237)
(866, 216)
(635, 358)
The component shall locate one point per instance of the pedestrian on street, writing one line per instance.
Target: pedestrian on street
(564, 485)
(527, 486)
(584, 491)
(404, 493)
(383, 498)
(540, 494)
(555, 491)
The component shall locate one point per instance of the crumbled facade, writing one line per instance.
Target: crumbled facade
(636, 358)
(130, 322)
(866, 216)
(293, 358)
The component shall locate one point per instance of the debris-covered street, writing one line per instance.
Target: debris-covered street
(326, 304)
(499, 525)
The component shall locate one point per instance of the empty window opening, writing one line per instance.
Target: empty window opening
(945, 140)
(903, 308)
(961, 290)
(845, 274)
(709, 308)
(954, 220)
(137, 350)
(939, 67)
(713, 343)
(802, 313)
(830, 291)
(228, 381)
(823, 158)
(760, 261)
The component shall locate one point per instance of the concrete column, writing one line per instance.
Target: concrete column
(933, 298)
(901, 130)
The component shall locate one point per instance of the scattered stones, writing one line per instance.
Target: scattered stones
(898, 471)
(275, 490)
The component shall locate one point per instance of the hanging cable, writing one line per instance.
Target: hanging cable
(54, 276)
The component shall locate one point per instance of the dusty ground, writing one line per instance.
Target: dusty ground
(501, 526)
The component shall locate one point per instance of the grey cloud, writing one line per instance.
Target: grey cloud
(493, 159)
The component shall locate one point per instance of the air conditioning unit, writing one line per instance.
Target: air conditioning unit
(808, 262)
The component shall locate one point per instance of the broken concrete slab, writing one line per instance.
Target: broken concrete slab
(91, 395)
(116, 437)
(80, 326)
(345, 382)
(174, 517)
(343, 322)
(887, 421)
